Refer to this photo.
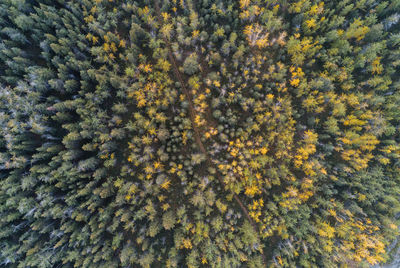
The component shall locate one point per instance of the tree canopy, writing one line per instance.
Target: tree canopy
(198, 133)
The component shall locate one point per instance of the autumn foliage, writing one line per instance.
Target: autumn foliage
(198, 133)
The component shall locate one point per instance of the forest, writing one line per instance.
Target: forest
(199, 133)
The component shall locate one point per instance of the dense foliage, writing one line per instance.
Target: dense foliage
(199, 133)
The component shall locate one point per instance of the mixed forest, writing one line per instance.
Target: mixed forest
(199, 133)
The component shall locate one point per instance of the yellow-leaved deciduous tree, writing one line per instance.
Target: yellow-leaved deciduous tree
(357, 148)
(351, 238)
(309, 141)
(377, 67)
(356, 30)
(256, 35)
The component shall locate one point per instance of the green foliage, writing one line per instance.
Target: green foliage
(199, 133)
(190, 65)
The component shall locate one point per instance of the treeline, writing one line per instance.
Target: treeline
(198, 133)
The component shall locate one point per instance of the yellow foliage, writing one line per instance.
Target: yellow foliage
(351, 120)
(377, 68)
(184, 137)
(361, 197)
(263, 150)
(316, 9)
(297, 7)
(195, 33)
(165, 16)
(325, 230)
(295, 82)
(311, 23)
(89, 19)
(165, 185)
(244, 3)
(204, 260)
(384, 160)
(252, 190)
(186, 243)
(95, 39)
(356, 30)
(106, 47)
(256, 36)
(165, 207)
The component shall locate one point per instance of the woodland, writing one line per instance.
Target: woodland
(199, 133)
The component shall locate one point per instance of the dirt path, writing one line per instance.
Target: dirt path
(192, 115)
